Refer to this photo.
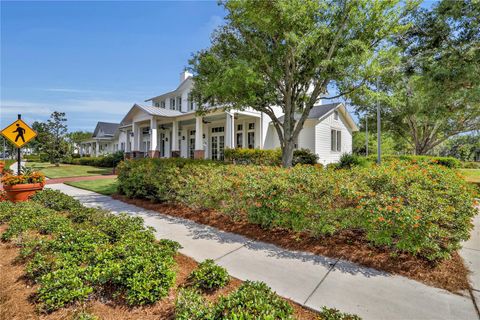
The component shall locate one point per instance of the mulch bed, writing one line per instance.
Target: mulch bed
(450, 274)
(17, 295)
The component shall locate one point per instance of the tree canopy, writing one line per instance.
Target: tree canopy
(292, 54)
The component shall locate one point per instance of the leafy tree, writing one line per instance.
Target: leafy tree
(76, 137)
(433, 93)
(42, 133)
(55, 145)
(462, 147)
(291, 54)
(389, 144)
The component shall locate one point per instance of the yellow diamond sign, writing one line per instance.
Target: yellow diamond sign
(19, 133)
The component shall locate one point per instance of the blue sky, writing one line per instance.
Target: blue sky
(93, 60)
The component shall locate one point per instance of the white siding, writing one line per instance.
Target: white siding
(306, 137)
(323, 136)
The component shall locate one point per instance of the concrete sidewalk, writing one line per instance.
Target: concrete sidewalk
(308, 279)
(471, 255)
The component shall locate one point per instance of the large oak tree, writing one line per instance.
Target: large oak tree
(292, 54)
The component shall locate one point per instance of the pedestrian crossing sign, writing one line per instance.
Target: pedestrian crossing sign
(19, 133)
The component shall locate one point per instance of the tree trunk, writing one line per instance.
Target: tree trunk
(287, 153)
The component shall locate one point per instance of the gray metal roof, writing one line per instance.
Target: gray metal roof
(156, 111)
(107, 129)
(317, 111)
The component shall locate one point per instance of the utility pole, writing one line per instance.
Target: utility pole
(366, 135)
(379, 133)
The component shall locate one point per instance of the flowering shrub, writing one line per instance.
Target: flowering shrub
(417, 208)
(31, 177)
(266, 157)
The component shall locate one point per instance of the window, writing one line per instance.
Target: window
(157, 104)
(179, 103)
(146, 130)
(240, 127)
(172, 103)
(336, 140)
(162, 104)
(218, 129)
(191, 104)
(251, 126)
(251, 140)
(335, 115)
(122, 146)
(240, 140)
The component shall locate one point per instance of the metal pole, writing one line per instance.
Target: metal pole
(19, 158)
(379, 133)
(366, 135)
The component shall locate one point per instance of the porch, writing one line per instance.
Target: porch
(191, 136)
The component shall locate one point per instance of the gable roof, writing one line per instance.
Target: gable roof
(320, 112)
(151, 110)
(105, 129)
(170, 92)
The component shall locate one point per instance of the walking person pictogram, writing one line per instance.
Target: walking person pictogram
(20, 132)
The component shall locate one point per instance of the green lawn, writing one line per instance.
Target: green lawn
(107, 186)
(67, 170)
(471, 175)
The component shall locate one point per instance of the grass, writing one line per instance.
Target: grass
(107, 186)
(67, 170)
(471, 175)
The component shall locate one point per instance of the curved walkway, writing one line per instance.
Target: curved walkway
(311, 280)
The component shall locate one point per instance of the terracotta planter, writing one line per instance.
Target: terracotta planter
(21, 192)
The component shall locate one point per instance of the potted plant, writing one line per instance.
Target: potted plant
(21, 187)
(2, 165)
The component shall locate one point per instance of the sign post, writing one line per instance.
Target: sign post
(19, 134)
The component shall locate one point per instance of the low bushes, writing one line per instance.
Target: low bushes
(209, 276)
(107, 161)
(268, 157)
(252, 300)
(73, 252)
(417, 208)
(448, 162)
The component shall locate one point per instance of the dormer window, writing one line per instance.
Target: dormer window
(157, 104)
(172, 103)
(162, 104)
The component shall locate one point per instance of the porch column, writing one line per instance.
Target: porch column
(199, 150)
(229, 131)
(154, 153)
(175, 146)
(136, 137)
(97, 151)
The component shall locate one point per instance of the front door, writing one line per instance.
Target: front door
(191, 144)
(162, 144)
(217, 143)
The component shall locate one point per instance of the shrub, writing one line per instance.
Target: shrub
(412, 207)
(348, 160)
(107, 161)
(334, 314)
(470, 165)
(304, 156)
(252, 300)
(87, 251)
(254, 156)
(267, 157)
(190, 305)
(209, 276)
(448, 162)
(85, 316)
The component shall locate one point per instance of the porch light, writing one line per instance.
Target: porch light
(131, 134)
(203, 136)
(183, 137)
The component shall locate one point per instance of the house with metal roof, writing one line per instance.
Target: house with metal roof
(104, 140)
(168, 125)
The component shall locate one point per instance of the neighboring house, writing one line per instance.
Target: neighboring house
(104, 140)
(168, 126)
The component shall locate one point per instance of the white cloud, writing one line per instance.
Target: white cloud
(68, 90)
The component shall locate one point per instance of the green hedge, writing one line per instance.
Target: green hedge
(448, 162)
(268, 157)
(417, 208)
(108, 161)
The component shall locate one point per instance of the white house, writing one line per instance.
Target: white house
(104, 140)
(168, 126)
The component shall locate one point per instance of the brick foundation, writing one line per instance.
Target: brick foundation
(154, 154)
(199, 154)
